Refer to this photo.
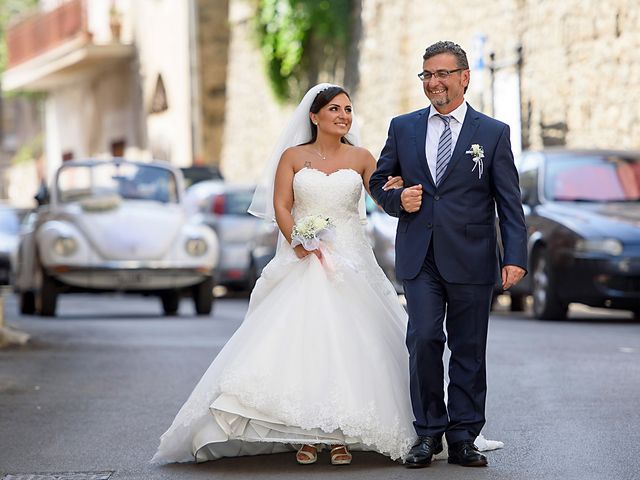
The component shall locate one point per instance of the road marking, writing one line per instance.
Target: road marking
(59, 476)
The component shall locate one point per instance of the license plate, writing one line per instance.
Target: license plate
(132, 278)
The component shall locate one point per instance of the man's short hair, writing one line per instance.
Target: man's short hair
(447, 47)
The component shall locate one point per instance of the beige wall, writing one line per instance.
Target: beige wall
(253, 118)
(161, 32)
(580, 78)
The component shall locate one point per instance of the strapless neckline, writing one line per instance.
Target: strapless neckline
(311, 169)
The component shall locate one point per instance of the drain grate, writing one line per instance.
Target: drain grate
(59, 476)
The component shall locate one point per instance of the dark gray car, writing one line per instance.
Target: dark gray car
(582, 209)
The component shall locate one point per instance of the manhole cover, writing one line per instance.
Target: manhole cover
(59, 476)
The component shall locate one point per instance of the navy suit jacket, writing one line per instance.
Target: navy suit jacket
(458, 216)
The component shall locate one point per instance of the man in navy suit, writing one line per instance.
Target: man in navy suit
(458, 170)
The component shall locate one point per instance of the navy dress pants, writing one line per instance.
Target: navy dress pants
(431, 300)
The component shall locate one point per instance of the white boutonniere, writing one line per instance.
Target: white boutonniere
(477, 154)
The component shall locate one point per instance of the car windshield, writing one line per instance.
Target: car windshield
(9, 221)
(237, 202)
(126, 180)
(592, 178)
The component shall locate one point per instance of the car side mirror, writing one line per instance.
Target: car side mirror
(42, 195)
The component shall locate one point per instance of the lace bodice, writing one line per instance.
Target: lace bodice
(336, 196)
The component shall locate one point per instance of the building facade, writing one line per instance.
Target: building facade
(143, 79)
(557, 72)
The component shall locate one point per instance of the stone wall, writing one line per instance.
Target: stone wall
(580, 77)
(253, 118)
(581, 64)
(213, 43)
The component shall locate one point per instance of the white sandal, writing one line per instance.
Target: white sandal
(340, 451)
(310, 457)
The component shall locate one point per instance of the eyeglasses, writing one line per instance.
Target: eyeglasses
(439, 74)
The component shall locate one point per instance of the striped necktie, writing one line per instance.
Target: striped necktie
(444, 148)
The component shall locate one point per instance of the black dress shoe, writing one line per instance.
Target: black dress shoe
(467, 455)
(420, 454)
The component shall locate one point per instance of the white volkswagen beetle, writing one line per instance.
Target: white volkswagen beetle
(115, 226)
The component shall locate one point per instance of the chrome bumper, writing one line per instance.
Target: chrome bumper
(129, 277)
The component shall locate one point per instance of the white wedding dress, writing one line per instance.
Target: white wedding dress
(320, 356)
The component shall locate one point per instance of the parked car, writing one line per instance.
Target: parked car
(200, 173)
(582, 209)
(115, 225)
(9, 230)
(381, 230)
(263, 249)
(223, 207)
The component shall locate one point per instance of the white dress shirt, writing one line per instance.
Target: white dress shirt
(435, 127)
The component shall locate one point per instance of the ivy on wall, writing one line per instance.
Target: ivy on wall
(300, 39)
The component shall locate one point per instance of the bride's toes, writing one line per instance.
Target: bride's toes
(307, 454)
(340, 455)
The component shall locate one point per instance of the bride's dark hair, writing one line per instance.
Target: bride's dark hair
(322, 99)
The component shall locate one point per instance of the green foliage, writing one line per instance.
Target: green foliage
(9, 10)
(299, 39)
(29, 151)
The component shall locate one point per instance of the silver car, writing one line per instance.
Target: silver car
(115, 225)
(381, 229)
(223, 207)
(9, 229)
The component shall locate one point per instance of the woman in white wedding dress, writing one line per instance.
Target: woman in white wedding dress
(320, 358)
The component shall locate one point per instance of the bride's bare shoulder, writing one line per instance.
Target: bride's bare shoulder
(358, 152)
(297, 150)
(292, 154)
(361, 157)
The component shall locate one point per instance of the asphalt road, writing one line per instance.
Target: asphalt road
(96, 386)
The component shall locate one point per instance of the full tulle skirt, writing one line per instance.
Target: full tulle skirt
(320, 358)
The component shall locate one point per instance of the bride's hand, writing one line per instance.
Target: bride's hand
(393, 183)
(301, 252)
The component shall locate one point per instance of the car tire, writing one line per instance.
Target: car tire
(47, 298)
(27, 303)
(203, 297)
(518, 302)
(170, 302)
(546, 303)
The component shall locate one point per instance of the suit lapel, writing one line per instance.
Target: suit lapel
(469, 127)
(421, 139)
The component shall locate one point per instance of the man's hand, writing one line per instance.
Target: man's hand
(411, 198)
(393, 183)
(511, 275)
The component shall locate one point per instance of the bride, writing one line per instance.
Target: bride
(320, 358)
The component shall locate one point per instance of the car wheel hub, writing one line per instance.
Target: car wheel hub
(541, 284)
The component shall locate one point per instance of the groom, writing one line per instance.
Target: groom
(458, 170)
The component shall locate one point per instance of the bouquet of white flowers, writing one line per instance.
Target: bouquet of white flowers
(310, 231)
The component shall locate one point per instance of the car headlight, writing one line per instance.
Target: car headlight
(610, 246)
(196, 247)
(65, 246)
